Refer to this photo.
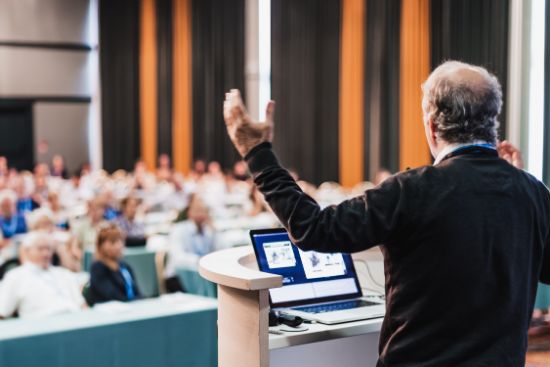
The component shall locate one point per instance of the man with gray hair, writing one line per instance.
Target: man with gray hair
(36, 288)
(465, 241)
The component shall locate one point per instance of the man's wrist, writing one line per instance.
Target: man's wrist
(260, 157)
(256, 148)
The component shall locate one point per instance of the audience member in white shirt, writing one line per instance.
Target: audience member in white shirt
(36, 288)
(189, 240)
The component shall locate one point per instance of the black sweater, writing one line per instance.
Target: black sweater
(108, 285)
(464, 242)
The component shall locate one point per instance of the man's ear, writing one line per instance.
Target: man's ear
(433, 129)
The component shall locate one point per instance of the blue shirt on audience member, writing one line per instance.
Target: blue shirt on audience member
(25, 205)
(14, 225)
(110, 213)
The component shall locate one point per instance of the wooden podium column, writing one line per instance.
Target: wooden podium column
(243, 325)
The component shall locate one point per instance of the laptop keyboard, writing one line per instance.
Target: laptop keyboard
(337, 306)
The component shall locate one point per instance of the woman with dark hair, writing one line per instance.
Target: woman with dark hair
(111, 279)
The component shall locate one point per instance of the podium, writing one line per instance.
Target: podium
(243, 321)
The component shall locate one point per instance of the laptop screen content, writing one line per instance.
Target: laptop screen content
(307, 276)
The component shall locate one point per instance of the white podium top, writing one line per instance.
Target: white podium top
(237, 268)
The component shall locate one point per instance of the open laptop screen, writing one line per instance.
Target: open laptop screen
(308, 277)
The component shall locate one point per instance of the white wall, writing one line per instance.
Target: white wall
(45, 74)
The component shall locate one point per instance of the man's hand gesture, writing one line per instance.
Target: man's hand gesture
(510, 153)
(243, 131)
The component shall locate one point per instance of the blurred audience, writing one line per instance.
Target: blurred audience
(36, 288)
(240, 171)
(111, 279)
(66, 250)
(12, 222)
(23, 187)
(164, 169)
(133, 230)
(96, 214)
(199, 169)
(189, 240)
(58, 168)
(85, 228)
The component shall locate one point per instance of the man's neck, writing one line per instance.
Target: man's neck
(445, 148)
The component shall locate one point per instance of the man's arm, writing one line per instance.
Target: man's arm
(354, 225)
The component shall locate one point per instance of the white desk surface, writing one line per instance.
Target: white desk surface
(321, 332)
(106, 314)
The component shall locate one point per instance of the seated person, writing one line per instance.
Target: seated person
(143, 179)
(41, 188)
(199, 169)
(11, 222)
(164, 169)
(60, 215)
(240, 171)
(58, 167)
(189, 241)
(107, 199)
(67, 251)
(22, 188)
(111, 279)
(134, 231)
(85, 228)
(37, 288)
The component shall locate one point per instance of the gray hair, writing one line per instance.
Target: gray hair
(464, 102)
(8, 194)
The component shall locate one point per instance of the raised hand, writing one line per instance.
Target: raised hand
(510, 153)
(243, 131)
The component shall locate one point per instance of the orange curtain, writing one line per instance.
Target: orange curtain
(351, 124)
(414, 69)
(182, 144)
(148, 83)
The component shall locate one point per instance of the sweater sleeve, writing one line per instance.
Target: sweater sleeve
(354, 225)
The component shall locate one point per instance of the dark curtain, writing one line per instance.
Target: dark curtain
(119, 70)
(305, 84)
(164, 76)
(382, 51)
(546, 158)
(218, 65)
(475, 32)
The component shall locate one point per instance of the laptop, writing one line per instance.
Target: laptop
(317, 287)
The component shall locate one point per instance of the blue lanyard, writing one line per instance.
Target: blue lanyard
(128, 283)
